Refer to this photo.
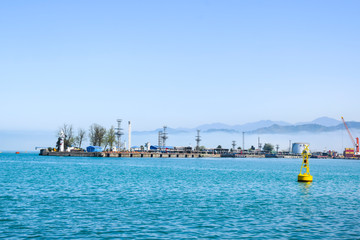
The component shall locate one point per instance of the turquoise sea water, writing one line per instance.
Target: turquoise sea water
(67, 197)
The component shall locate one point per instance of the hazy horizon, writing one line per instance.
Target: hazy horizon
(337, 140)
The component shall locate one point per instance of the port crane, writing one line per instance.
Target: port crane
(356, 144)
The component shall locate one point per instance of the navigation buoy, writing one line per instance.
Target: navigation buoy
(305, 177)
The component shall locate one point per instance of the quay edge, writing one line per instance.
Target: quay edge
(45, 152)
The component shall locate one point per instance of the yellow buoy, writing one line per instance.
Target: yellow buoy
(305, 176)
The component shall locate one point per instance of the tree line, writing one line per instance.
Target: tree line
(97, 136)
(106, 138)
(268, 147)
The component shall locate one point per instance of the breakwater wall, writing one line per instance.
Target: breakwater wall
(44, 152)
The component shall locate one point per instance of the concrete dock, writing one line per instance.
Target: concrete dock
(45, 152)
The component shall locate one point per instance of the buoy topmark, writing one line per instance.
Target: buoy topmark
(305, 176)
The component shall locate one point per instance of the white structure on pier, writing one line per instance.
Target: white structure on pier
(298, 148)
(62, 141)
(129, 138)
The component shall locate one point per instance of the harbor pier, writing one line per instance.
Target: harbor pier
(45, 152)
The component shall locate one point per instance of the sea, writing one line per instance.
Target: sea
(46, 197)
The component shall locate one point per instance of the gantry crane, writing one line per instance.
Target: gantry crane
(356, 144)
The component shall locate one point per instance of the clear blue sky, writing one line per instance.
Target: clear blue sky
(180, 63)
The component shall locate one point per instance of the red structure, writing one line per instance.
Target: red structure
(356, 144)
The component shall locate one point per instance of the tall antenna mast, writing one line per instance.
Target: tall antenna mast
(129, 137)
(290, 146)
(160, 140)
(164, 136)
(243, 140)
(198, 140)
(119, 133)
(259, 143)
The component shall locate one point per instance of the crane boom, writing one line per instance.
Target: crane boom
(356, 144)
(351, 137)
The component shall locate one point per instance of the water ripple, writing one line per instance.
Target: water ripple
(176, 198)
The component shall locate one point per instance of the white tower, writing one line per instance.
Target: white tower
(62, 141)
(147, 146)
(129, 140)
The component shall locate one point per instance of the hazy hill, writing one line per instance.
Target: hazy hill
(322, 124)
(313, 128)
(324, 121)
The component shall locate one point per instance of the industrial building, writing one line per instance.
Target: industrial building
(298, 148)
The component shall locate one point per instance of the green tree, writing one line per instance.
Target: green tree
(81, 137)
(97, 134)
(219, 147)
(58, 143)
(110, 138)
(252, 148)
(268, 147)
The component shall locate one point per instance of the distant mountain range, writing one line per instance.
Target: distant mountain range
(323, 124)
(323, 121)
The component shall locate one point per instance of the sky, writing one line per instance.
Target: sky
(176, 63)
